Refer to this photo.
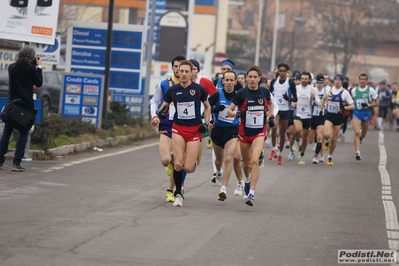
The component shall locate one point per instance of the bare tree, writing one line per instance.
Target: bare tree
(344, 28)
(241, 47)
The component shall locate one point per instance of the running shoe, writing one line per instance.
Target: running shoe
(325, 145)
(291, 157)
(239, 189)
(272, 153)
(213, 179)
(280, 160)
(329, 162)
(262, 160)
(314, 147)
(321, 158)
(361, 139)
(222, 194)
(250, 200)
(287, 144)
(358, 157)
(296, 145)
(275, 155)
(315, 160)
(169, 196)
(209, 143)
(179, 201)
(219, 179)
(169, 169)
(302, 160)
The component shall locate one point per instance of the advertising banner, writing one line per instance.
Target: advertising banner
(29, 20)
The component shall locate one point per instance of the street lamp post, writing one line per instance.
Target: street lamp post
(108, 57)
(149, 61)
(273, 62)
(259, 32)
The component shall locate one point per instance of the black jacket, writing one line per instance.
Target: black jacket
(21, 83)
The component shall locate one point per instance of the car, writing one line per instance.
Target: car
(49, 92)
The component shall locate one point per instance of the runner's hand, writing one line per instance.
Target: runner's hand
(218, 109)
(241, 114)
(285, 96)
(271, 121)
(161, 114)
(203, 128)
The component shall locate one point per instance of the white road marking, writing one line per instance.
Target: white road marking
(391, 217)
(53, 184)
(99, 157)
(56, 168)
(393, 234)
(118, 153)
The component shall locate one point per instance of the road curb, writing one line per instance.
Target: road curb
(88, 145)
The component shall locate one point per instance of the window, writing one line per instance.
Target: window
(249, 18)
(370, 50)
(181, 5)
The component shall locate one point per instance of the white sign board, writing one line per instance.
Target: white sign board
(29, 21)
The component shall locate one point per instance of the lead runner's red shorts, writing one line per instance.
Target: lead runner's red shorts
(189, 133)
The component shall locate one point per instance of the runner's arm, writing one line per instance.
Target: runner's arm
(156, 99)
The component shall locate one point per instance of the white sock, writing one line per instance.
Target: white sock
(379, 121)
(223, 188)
(252, 192)
(213, 161)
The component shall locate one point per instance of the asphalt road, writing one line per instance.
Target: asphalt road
(108, 208)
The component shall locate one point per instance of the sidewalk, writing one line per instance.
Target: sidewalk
(81, 147)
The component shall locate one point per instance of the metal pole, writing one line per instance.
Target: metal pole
(149, 61)
(259, 32)
(108, 56)
(190, 28)
(273, 62)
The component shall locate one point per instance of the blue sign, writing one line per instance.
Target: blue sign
(87, 46)
(38, 106)
(118, 79)
(98, 37)
(96, 58)
(82, 96)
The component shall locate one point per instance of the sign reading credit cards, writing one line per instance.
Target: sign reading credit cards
(82, 96)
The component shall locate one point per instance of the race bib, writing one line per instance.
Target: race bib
(359, 103)
(186, 110)
(316, 110)
(172, 111)
(254, 119)
(333, 107)
(223, 115)
(303, 109)
(282, 104)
